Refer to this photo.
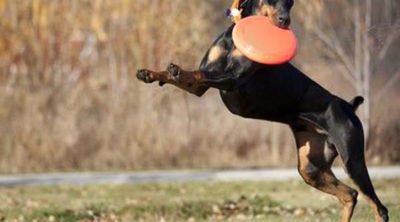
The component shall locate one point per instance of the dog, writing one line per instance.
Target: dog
(324, 125)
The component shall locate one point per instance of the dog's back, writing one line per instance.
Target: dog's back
(276, 93)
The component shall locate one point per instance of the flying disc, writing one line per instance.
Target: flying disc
(263, 42)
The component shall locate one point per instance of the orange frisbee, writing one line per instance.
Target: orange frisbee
(263, 42)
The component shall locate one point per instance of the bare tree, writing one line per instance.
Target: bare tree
(357, 54)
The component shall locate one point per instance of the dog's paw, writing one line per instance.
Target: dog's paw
(174, 70)
(384, 215)
(145, 75)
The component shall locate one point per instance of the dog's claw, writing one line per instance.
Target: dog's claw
(144, 75)
(174, 70)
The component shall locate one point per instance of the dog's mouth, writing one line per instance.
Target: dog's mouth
(281, 21)
(284, 25)
(280, 18)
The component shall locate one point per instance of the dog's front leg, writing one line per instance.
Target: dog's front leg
(190, 81)
(198, 82)
(201, 80)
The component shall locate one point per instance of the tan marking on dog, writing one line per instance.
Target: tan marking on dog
(269, 11)
(310, 147)
(215, 53)
(198, 75)
(236, 53)
(374, 207)
(306, 142)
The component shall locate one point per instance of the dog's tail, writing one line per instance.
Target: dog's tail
(356, 102)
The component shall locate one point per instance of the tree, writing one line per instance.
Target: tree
(347, 34)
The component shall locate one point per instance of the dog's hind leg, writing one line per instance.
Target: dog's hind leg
(315, 161)
(346, 132)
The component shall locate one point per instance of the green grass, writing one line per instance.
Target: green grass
(203, 201)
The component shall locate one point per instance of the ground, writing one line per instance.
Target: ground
(200, 201)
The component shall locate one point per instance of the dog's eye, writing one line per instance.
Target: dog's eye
(272, 2)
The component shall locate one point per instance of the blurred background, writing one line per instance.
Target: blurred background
(69, 98)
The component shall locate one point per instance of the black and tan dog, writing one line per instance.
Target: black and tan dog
(323, 124)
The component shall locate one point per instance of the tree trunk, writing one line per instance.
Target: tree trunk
(367, 69)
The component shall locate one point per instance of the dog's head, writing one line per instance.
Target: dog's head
(278, 11)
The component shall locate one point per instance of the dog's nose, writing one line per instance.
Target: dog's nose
(284, 21)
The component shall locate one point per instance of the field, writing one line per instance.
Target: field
(202, 201)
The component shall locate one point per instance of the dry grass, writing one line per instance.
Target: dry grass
(69, 98)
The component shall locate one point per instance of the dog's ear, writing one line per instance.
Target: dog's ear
(292, 2)
(247, 7)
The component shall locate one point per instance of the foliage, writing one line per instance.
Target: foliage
(69, 99)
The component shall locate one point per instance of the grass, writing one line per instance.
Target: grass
(202, 201)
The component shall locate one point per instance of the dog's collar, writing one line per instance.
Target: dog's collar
(235, 13)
